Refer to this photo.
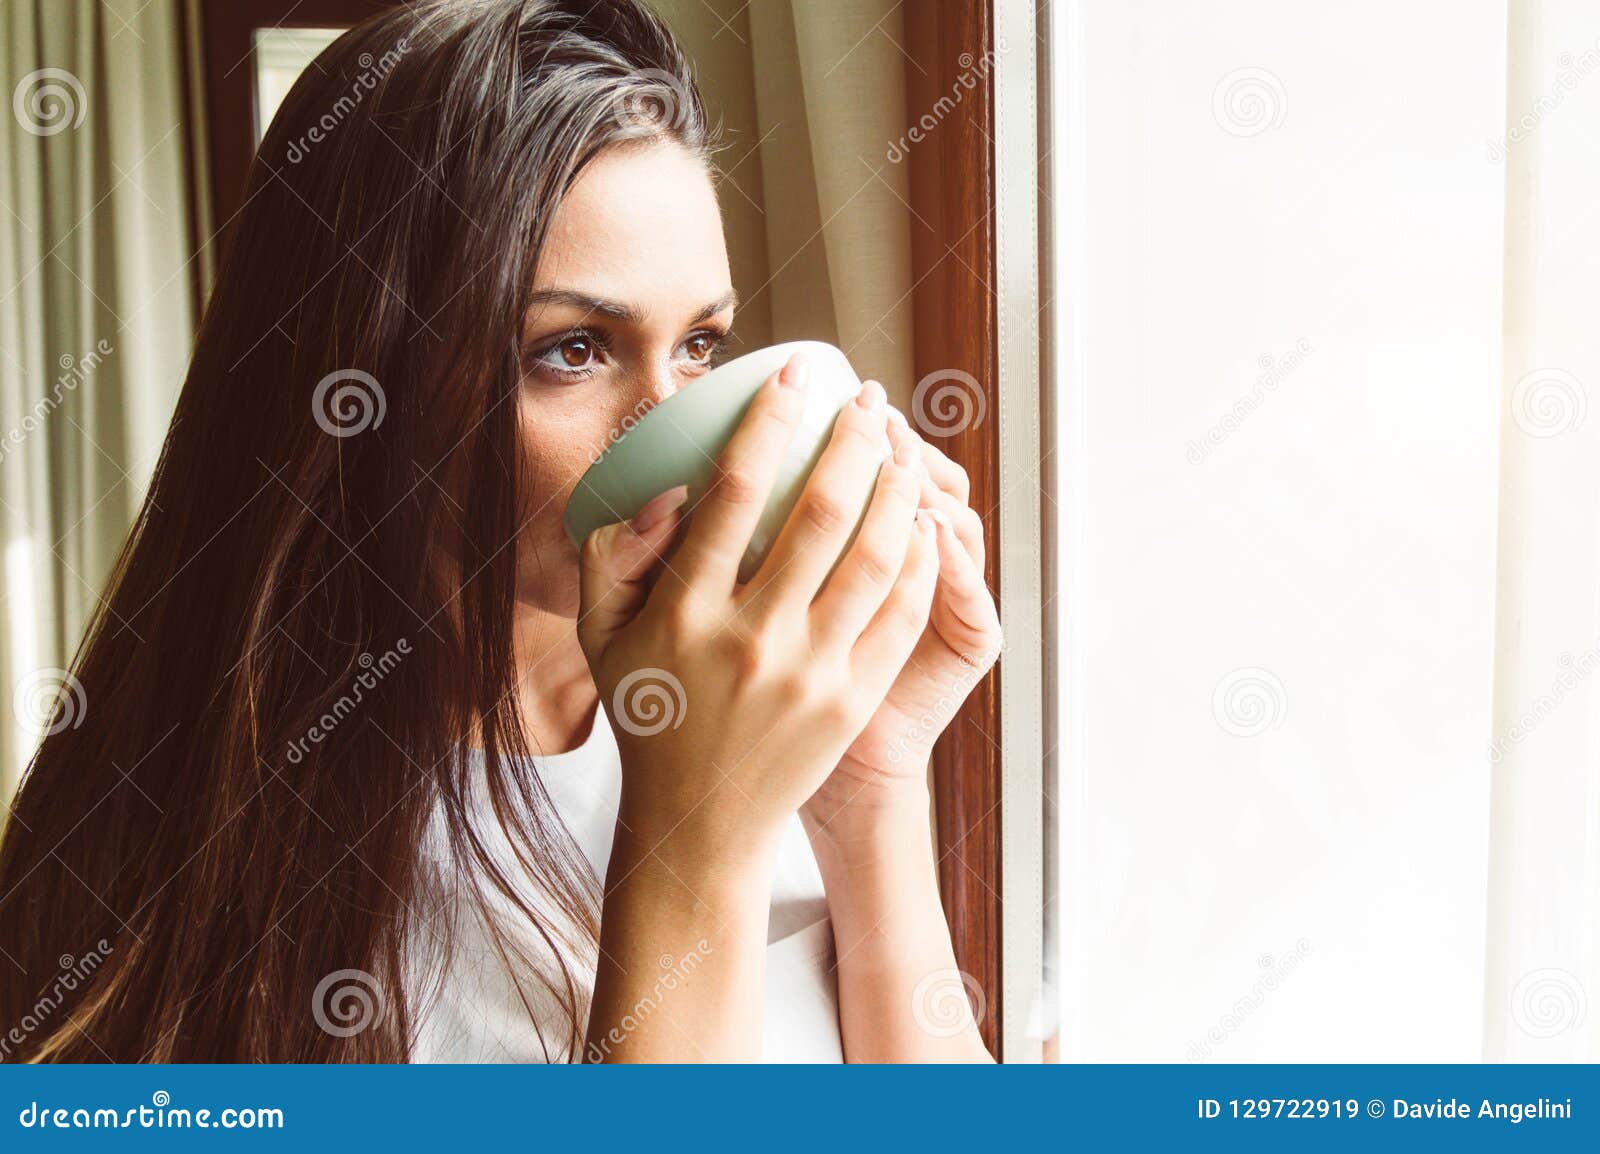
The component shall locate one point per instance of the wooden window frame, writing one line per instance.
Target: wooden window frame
(226, 44)
(955, 320)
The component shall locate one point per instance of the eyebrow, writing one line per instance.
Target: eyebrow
(621, 311)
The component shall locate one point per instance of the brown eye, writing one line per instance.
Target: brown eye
(700, 347)
(576, 351)
(573, 357)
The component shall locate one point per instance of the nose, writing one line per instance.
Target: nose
(651, 386)
(649, 382)
(660, 384)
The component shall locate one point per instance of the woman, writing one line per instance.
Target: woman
(345, 786)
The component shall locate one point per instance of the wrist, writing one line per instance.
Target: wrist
(882, 826)
(881, 876)
(717, 854)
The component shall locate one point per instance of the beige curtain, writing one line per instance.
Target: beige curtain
(96, 313)
(811, 98)
(95, 317)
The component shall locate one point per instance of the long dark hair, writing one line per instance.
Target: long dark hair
(312, 617)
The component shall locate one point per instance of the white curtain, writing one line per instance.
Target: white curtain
(95, 316)
(1542, 982)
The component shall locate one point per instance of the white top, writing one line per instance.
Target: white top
(474, 1012)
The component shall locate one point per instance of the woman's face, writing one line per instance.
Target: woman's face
(631, 298)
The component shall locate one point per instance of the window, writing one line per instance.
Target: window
(279, 56)
(1326, 530)
(249, 53)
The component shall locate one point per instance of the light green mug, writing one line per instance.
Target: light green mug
(678, 441)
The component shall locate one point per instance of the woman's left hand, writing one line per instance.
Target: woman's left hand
(889, 759)
(868, 823)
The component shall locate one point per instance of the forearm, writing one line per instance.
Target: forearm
(901, 996)
(682, 962)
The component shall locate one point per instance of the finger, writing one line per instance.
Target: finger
(900, 435)
(614, 564)
(876, 557)
(963, 611)
(727, 515)
(887, 642)
(946, 474)
(969, 529)
(946, 488)
(830, 505)
(966, 523)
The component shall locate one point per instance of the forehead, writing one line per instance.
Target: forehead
(640, 225)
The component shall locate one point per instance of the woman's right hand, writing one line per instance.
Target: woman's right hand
(732, 703)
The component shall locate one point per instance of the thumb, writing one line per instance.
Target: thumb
(614, 565)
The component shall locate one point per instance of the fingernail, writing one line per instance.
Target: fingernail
(925, 520)
(658, 509)
(907, 452)
(796, 373)
(898, 417)
(871, 397)
(940, 516)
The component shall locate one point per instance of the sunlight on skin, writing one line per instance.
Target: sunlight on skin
(661, 258)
